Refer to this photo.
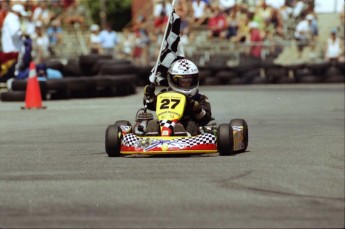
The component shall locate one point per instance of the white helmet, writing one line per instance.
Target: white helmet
(183, 77)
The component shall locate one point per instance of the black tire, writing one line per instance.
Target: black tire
(96, 68)
(72, 68)
(20, 85)
(54, 64)
(241, 122)
(223, 77)
(112, 141)
(225, 140)
(57, 88)
(251, 76)
(77, 87)
(117, 69)
(13, 96)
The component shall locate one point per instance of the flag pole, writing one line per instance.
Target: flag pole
(165, 33)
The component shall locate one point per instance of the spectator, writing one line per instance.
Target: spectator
(94, 39)
(263, 13)
(226, 5)
(27, 25)
(108, 40)
(11, 30)
(303, 33)
(333, 49)
(314, 26)
(43, 72)
(54, 33)
(243, 29)
(128, 39)
(232, 23)
(285, 13)
(56, 10)
(298, 9)
(40, 44)
(199, 11)
(162, 6)
(140, 24)
(255, 40)
(182, 10)
(274, 25)
(217, 24)
(24, 59)
(42, 13)
(161, 21)
(140, 44)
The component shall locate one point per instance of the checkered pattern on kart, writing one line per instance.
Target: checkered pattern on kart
(167, 123)
(132, 139)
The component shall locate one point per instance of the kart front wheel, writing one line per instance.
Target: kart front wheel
(225, 139)
(113, 141)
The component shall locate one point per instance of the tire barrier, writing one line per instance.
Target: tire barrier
(102, 76)
(13, 96)
(20, 85)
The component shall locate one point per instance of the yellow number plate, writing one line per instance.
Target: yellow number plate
(170, 106)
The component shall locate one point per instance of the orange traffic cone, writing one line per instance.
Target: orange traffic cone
(33, 98)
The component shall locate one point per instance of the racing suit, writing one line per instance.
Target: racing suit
(197, 112)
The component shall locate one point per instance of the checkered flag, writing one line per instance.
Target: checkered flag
(173, 51)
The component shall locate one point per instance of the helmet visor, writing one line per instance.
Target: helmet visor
(185, 81)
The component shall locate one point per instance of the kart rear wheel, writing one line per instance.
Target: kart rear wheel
(241, 122)
(225, 139)
(112, 141)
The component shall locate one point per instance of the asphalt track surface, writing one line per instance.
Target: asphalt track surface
(54, 171)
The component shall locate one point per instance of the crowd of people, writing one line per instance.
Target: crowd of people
(31, 29)
(239, 22)
(39, 20)
(250, 23)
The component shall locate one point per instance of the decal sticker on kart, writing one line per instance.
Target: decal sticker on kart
(145, 144)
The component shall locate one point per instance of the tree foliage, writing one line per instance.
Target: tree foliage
(118, 12)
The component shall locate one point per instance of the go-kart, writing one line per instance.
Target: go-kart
(122, 138)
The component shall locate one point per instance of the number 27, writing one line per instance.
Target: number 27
(166, 102)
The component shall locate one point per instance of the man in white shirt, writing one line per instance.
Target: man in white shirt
(334, 47)
(226, 5)
(162, 5)
(198, 8)
(11, 40)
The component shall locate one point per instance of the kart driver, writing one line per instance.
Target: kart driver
(183, 77)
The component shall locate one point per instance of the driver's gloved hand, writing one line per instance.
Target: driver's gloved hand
(194, 106)
(149, 91)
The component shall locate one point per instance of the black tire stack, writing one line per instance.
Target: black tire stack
(88, 76)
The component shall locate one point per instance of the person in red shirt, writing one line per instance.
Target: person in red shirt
(255, 39)
(162, 20)
(217, 24)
